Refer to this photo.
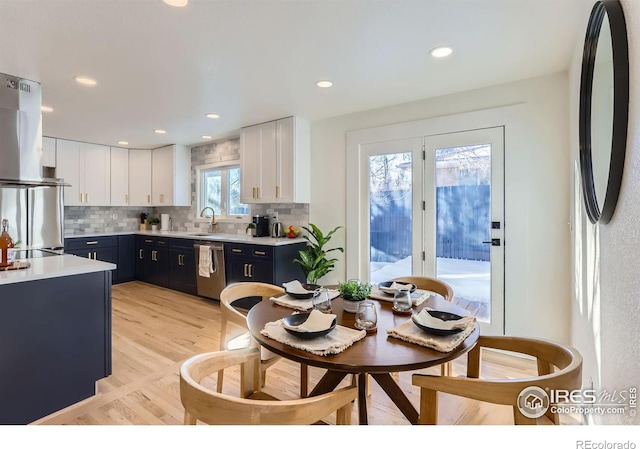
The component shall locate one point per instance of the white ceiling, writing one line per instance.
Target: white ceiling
(254, 61)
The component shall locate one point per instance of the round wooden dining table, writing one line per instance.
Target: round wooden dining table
(377, 354)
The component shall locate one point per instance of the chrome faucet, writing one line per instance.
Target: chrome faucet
(212, 223)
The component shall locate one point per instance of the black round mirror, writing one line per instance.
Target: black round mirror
(604, 109)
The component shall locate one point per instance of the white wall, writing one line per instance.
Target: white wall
(606, 258)
(537, 195)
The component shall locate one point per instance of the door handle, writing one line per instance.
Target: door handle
(141, 254)
(95, 242)
(245, 271)
(494, 242)
(95, 255)
(251, 270)
(149, 199)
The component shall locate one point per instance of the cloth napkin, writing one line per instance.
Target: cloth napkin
(295, 287)
(425, 318)
(299, 304)
(418, 296)
(334, 342)
(408, 331)
(317, 321)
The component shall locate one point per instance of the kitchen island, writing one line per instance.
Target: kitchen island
(55, 335)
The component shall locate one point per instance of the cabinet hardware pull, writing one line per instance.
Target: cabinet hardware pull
(86, 197)
(162, 197)
(253, 192)
(235, 250)
(126, 199)
(277, 191)
(141, 254)
(149, 199)
(89, 255)
(259, 253)
(148, 241)
(182, 257)
(82, 197)
(92, 243)
(251, 270)
(160, 242)
(95, 255)
(258, 188)
(245, 270)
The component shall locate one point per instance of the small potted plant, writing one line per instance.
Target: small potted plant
(154, 221)
(353, 291)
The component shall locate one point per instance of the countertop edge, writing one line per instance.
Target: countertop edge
(53, 267)
(230, 238)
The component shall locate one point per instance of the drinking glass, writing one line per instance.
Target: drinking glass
(322, 300)
(366, 316)
(402, 300)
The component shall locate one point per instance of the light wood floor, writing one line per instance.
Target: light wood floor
(155, 330)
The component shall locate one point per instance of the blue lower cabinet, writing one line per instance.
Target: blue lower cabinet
(182, 264)
(126, 258)
(104, 248)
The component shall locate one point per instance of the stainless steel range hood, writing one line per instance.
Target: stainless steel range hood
(21, 133)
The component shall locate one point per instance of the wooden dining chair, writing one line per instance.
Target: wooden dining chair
(252, 407)
(240, 338)
(559, 367)
(436, 286)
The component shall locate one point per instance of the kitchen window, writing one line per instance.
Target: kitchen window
(219, 188)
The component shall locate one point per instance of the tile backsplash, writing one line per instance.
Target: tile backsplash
(93, 219)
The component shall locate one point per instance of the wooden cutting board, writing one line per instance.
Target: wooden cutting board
(19, 265)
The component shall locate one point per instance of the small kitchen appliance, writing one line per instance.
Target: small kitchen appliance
(262, 225)
(276, 229)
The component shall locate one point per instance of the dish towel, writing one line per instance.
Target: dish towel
(205, 263)
(299, 304)
(408, 331)
(418, 296)
(334, 342)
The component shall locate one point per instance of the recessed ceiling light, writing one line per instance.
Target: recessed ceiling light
(122, 142)
(324, 84)
(85, 80)
(441, 52)
(46, 108)
(176, 3)
(159, 131)
(207, 137)
(212, 115)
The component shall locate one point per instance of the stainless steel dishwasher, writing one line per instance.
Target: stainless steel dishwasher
(210, 287)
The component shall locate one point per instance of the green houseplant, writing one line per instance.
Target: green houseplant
(154, 221)
(314, 259)
(352, 292)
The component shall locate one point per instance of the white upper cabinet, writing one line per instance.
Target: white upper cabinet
(275, 162)
(87, 167)
(48, 152)
(258, 163)
(119, 176)
(171, 176)
(139, 178)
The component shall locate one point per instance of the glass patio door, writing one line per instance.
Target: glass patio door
(464, 220)
(391, 190)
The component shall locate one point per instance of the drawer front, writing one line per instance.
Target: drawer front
(182, 244)
(91, 242)
(155, 241)
(250, 251)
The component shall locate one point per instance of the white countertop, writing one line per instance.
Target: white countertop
(236, 238)
(54, 266)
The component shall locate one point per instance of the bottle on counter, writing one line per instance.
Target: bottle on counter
(7, 253)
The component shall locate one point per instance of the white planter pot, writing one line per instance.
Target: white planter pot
(350, 306)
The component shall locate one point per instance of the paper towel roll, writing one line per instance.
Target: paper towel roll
(164, 222)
